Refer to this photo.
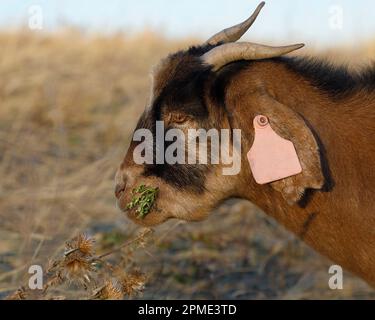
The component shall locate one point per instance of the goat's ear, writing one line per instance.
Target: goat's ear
(289, 125)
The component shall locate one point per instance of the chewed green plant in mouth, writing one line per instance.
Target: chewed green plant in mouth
(143, 199)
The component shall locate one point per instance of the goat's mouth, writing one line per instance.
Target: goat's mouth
(154, 218)
(140, 205)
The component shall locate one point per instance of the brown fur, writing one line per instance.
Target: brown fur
(343, 223)
(329, 205)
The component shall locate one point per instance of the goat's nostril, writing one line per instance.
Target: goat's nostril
(119, 190)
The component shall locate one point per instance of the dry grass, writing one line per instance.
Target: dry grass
(68, 104)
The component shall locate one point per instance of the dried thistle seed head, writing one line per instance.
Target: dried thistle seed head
(77, 264)
(78, 270)
(82, 243)
(133, 283)
(111, 290)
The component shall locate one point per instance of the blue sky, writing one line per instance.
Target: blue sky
(281, 20)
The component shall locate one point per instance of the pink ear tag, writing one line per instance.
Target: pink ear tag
(271, 157)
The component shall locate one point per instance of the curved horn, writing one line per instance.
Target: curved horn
(236, 32)
(230, 52)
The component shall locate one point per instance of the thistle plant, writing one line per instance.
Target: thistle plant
(143, 199)
(79, 265)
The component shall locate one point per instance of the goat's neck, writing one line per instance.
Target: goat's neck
(338, 223)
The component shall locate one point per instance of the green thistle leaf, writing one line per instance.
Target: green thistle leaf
(143, 199)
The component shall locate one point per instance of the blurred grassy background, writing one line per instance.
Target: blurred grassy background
(68, 105)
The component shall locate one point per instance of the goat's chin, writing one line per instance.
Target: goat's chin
(156, 218)
(195, 216)
(152, 219)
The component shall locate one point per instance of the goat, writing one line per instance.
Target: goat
(327, 112)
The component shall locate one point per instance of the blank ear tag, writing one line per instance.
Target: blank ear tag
(271, 157)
